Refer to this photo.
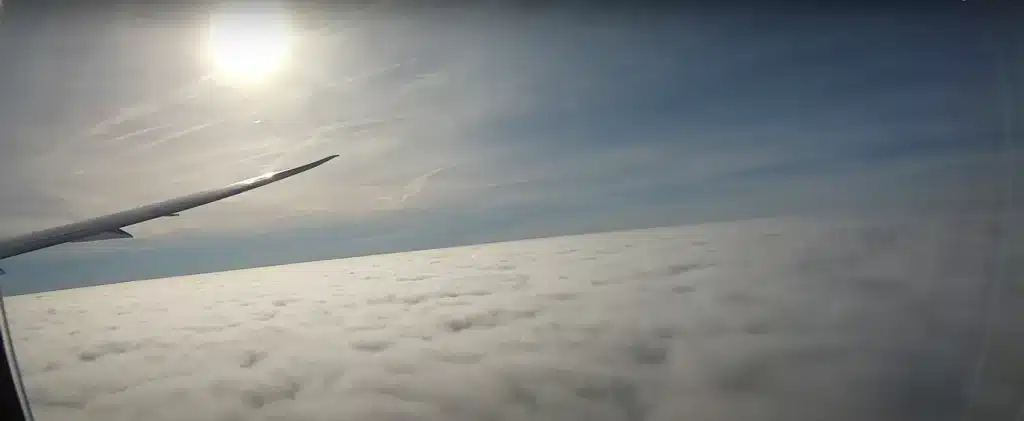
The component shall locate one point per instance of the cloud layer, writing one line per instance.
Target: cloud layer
(770, 319)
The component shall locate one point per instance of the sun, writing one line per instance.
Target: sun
(248, 46)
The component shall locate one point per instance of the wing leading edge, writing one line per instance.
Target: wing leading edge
(110, 226)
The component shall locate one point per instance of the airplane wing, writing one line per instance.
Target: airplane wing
(13, 403)
(111, 226)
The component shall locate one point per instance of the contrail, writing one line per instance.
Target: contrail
(176, 135)
(417, 184)
(413, 187)
(139, 132)
(144, 108)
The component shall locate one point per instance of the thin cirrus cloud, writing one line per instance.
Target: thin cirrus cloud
(508, 115)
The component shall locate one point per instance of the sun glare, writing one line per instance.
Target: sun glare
(247, 46)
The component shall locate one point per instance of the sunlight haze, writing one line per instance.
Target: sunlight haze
(463, 126)
(249, 45)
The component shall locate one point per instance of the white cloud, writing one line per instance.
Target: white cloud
(762, 319)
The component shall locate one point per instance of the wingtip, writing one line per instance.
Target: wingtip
(321, 161)
(274, 176)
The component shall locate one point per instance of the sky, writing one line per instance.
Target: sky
(470, 125)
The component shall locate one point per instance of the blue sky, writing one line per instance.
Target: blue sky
(461, 127)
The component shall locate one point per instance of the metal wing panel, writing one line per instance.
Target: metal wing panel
(104, 226)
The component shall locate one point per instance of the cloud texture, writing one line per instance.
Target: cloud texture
(770, 319)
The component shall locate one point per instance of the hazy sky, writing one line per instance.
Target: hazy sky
(459, 126)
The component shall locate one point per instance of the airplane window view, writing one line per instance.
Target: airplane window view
(384, 210)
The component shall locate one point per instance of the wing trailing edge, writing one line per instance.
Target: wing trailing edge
(105, 235)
